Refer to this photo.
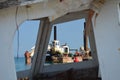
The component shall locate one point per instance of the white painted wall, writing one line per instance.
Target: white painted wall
(7, 30)
(107, 37)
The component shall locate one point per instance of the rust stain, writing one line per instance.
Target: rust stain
(96, 15)
(89, 20)
(28, 6)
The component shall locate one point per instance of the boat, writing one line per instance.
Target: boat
(57, 53)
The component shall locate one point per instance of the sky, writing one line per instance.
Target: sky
(68, 32)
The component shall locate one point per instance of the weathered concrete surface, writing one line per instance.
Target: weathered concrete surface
(12, 17)
(71, 74)
(107, 37)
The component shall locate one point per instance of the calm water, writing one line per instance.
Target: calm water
(20, 64)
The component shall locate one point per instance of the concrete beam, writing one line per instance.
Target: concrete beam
(90, 33)
(71, 16)
(41, 47)
(64, 67)
(93, 45)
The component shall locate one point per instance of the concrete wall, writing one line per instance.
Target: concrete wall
(7, 30)
(107, 37)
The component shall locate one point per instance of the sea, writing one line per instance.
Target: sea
(20, 64)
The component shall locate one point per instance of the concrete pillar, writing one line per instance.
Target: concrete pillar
(41, 46)
(91, 36)
(107, 37)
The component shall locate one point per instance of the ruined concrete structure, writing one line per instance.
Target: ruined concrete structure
(102, 18)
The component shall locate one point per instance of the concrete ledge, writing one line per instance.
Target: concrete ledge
(64, 67)
(71, 74)
(23, 74)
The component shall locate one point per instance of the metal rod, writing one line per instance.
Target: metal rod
(55, 33)
(85, 37)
